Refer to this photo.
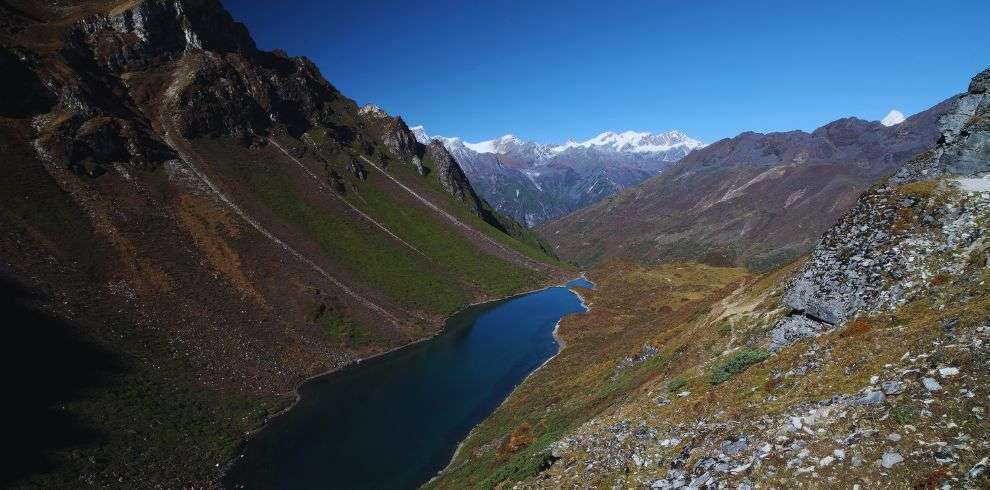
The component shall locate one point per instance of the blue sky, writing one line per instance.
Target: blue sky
(550, 71)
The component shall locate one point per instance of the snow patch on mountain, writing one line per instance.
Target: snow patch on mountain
(892, 118)
(533, 176)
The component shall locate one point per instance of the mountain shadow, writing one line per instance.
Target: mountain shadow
(48, 364)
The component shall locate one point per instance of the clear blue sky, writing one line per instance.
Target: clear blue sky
(555, 70)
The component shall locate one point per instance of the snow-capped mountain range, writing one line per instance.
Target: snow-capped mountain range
(536, 182)
(670, 143)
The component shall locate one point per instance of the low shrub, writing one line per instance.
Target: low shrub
(737, 364)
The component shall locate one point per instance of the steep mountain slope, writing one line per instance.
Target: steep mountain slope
(200, 225)
(758, 200)
(864, 366)
(537, 182)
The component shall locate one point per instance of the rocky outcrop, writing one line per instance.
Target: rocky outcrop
(357, 169)
(902, 235)
(964, 141)
(187, 61)
(394, 134)
(450, 175)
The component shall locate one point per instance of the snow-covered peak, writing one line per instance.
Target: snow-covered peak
(892, 118)
(419, 132)
(635, 142)
(501, 145)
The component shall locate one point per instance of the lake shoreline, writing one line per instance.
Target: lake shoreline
(561, 344)
(297, 397)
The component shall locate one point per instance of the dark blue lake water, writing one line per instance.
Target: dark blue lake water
(395, 421)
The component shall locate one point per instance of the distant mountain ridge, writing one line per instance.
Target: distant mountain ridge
(756, 199)
(535, 182)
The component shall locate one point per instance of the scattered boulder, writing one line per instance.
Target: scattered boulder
(871, 397)
(892, 387)
(890, 459)
(931, 384)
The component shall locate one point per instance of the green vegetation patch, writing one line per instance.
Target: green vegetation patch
(737, 364)
(444, 273)
(342, 330)
(451, 252)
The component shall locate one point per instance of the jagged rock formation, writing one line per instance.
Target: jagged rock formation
(394, 133)
(451, 176)
(759, 200)
(964, 148)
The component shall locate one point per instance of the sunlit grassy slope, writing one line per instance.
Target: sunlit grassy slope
(450, 271)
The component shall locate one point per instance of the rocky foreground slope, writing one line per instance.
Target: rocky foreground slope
(191, 226)
(758, 200)
(866, 367)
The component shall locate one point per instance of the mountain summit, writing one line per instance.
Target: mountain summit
(892, 118)
(535, 182)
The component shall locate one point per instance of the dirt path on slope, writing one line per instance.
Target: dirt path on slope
(219, 194)
(508, 254)
(345, 201)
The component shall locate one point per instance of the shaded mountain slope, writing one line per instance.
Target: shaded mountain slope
(221, 220)
(758, 200)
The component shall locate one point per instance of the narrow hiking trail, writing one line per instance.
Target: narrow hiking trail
(345, 201)
(515, 256)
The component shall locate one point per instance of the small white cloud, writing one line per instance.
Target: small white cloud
(893, 117)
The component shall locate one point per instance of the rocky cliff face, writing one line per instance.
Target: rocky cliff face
(394, 133)
(107, 73)
(758, 200)
(451, 176)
